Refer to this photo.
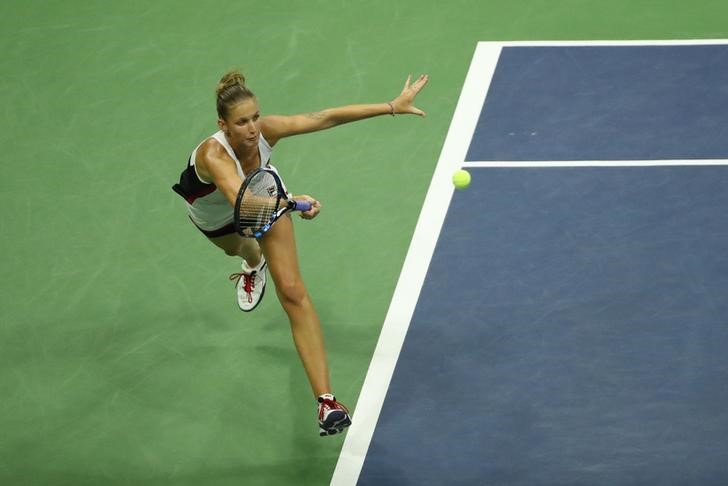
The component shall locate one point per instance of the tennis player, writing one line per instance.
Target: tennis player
(210, 184)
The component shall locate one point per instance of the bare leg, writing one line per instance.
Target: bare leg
(279, 248)
(236, 245)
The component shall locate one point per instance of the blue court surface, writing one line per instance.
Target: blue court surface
(571, 330)
(572, 325)
(606, 103)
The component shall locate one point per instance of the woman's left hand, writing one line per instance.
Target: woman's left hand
(315, 206)
(404, 102)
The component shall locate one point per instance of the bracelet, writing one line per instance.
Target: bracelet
(391, 107)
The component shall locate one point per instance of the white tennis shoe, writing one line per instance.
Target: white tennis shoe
(333, 417)
(250, 285)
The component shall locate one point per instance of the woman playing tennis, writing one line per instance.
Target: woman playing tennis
(210, 185)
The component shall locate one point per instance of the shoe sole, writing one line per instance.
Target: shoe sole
(337, 427)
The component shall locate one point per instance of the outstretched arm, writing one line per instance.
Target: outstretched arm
(275, 127)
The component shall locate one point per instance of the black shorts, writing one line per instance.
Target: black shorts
(228, 229)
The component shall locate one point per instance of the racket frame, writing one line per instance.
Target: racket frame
(281, 209)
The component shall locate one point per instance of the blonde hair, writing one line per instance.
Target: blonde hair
(230, 91)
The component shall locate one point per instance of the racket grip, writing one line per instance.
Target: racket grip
(301, 205)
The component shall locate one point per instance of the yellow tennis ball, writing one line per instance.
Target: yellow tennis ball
(461, 179)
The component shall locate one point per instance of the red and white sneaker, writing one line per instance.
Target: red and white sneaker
(333, 416)
(250, 285)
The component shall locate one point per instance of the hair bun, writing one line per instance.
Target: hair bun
(231, 90)
(229, 79)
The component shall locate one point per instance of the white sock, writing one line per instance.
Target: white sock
(257, 268)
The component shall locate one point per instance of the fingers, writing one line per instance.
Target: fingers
(421, 82)
(417, 85)
(416, 111)
(311, 213)
(315, 207)
(306, 197)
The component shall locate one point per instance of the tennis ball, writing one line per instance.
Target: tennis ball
(461, 179)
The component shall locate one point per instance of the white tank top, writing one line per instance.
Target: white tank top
(213, 211)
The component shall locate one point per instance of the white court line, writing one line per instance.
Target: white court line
(609, 43)
(427, 231)
(595, 163)
(413, 273)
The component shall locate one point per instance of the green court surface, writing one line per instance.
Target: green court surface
(123, 357)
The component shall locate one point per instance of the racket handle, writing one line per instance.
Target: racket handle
(301, 205)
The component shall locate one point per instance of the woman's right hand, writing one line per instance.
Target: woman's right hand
(315, 206)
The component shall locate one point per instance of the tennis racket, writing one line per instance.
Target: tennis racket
(261, 201)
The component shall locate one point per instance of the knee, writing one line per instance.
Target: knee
(236, 250)
(231, 251)
(291, 292)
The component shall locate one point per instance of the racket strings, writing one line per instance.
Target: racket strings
(259, 203)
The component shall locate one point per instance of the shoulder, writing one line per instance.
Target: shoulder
(211, 149)
(274, 127)
(211, 156)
